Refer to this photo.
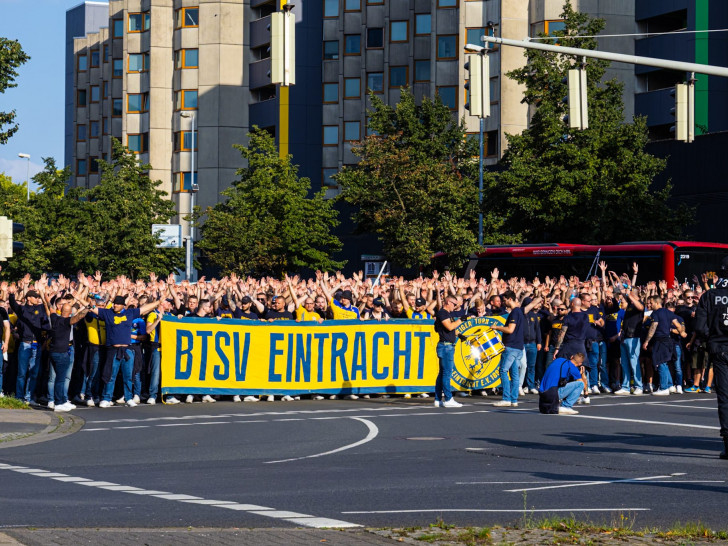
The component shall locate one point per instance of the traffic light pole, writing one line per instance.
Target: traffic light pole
(480, 185)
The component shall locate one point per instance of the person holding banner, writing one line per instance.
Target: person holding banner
(445, 325)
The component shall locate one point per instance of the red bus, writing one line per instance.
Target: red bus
(657, 260)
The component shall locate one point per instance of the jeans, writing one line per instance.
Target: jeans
(90, 384)
(531, 355)
(446, 359)
(61, 365)
(28, 367)
(677, 366)
(154, 363)
(127, 368)
(663, 371)
(631, 362)
(522, 366)
(597, 353)
(52, 375)
(510, 361)
(570, 393)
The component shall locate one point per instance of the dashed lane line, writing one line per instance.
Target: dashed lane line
(296, 518)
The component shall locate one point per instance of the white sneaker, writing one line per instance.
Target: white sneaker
(365, 396)
(583, 400)
(51, 405)
(438, 403)
(533, 391)
(407, 395)
(452, 403)
(661, 392)
(351, 397)
(270, 398)
(2, 394)
(520, 391)
(621, 392)
(90, 403)
(678, 389)
(251, 399)
(333, 397)
(502, 404)
(105, 404)
(189, 399)
(317, 397)
(483, 393)
(209, 399)
(287, 398)
(131, 404)
(64, 407)
(638, 392)
(236, 398)
(120, 400)
(298, 397)
(151, 401)
(567, 411)
(672, 390)
(171, 400)
(595, 390)
(136, 399)
(514, 404)
(606, 389)
(423, 395)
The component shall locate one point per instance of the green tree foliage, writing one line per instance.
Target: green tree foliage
(268, 224)
(416, 185)
(591, 186)
(11, 57)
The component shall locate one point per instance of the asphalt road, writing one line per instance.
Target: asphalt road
(383, 462)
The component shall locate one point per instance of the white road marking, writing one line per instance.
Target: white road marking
(494, 483)
(494, 510)
(373, 432)
(582, 484)
(283, 515)
(643, 421)
(710, 408)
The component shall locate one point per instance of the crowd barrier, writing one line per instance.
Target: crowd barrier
(228, 356)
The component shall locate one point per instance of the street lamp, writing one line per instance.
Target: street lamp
(27, 176)
(193, 192)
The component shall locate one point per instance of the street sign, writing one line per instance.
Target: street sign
(170, 235)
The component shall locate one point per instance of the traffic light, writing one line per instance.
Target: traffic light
(578, 116)
(478, 85)
(7, 246)
(684, 112)
(283, 46)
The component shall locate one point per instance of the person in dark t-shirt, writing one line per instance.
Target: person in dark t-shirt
(60, 353)
(445, 325)
(513, 335)
(279, 311)
(630, 335)
(663, 347)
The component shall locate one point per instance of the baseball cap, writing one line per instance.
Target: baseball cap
(378, 301)
(419, 302)
(32, 294)
(119, 300)
(246, 299)
(346, 295)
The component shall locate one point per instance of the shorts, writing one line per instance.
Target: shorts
(699, 359)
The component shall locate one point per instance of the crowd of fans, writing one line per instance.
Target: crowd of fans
(62, 335)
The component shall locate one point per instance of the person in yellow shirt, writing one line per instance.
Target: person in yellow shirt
(343, 308)
(304, 311)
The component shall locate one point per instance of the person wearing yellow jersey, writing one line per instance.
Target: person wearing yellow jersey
(304, 311)
(420, 310)
(343, 308)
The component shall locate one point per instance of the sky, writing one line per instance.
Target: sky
(38, 100)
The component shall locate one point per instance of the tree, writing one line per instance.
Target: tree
(122, 209)
(416, 184)
(591, 186)
(268, 224)
(11, 57)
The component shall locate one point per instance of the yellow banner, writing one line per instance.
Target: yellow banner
(227, 356)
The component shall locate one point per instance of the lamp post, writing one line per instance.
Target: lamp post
(27, 175)
(189, 268)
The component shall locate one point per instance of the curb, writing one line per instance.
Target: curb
(59, 427)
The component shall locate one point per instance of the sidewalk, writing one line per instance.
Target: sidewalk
(22, 427)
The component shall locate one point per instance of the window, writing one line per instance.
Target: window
(331, 8)
(474, 35)
(137, 103)
(352, 44)
(422, 71)
(447, 47)
(95, 58)
(105, 123)
(186, 58)
(82, 62)
(95, 93)
(188, 17)
(375, 1)
(551, 27)
(118, 29)
(331, 135)
(398, 31)
(94, 129)
(80, 133)
(352, 130)
(185, 100)
(423, 24)
(327, 177)
(93, 165)
(398, 76)
(449, 96)
(183, 182)
(138, 143)
(352, 88)
(352, 5)
(375, 38)
(447, 3)
(116, 108)
(135, 22)
(375, 82)
(331, 50)
(106, 90)
(331, 93)
(147, 20)
(491, 143)
(106, 54)
(183, 141)
(118, 68)
(138, 62)
(81, 97)
(81, 167)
